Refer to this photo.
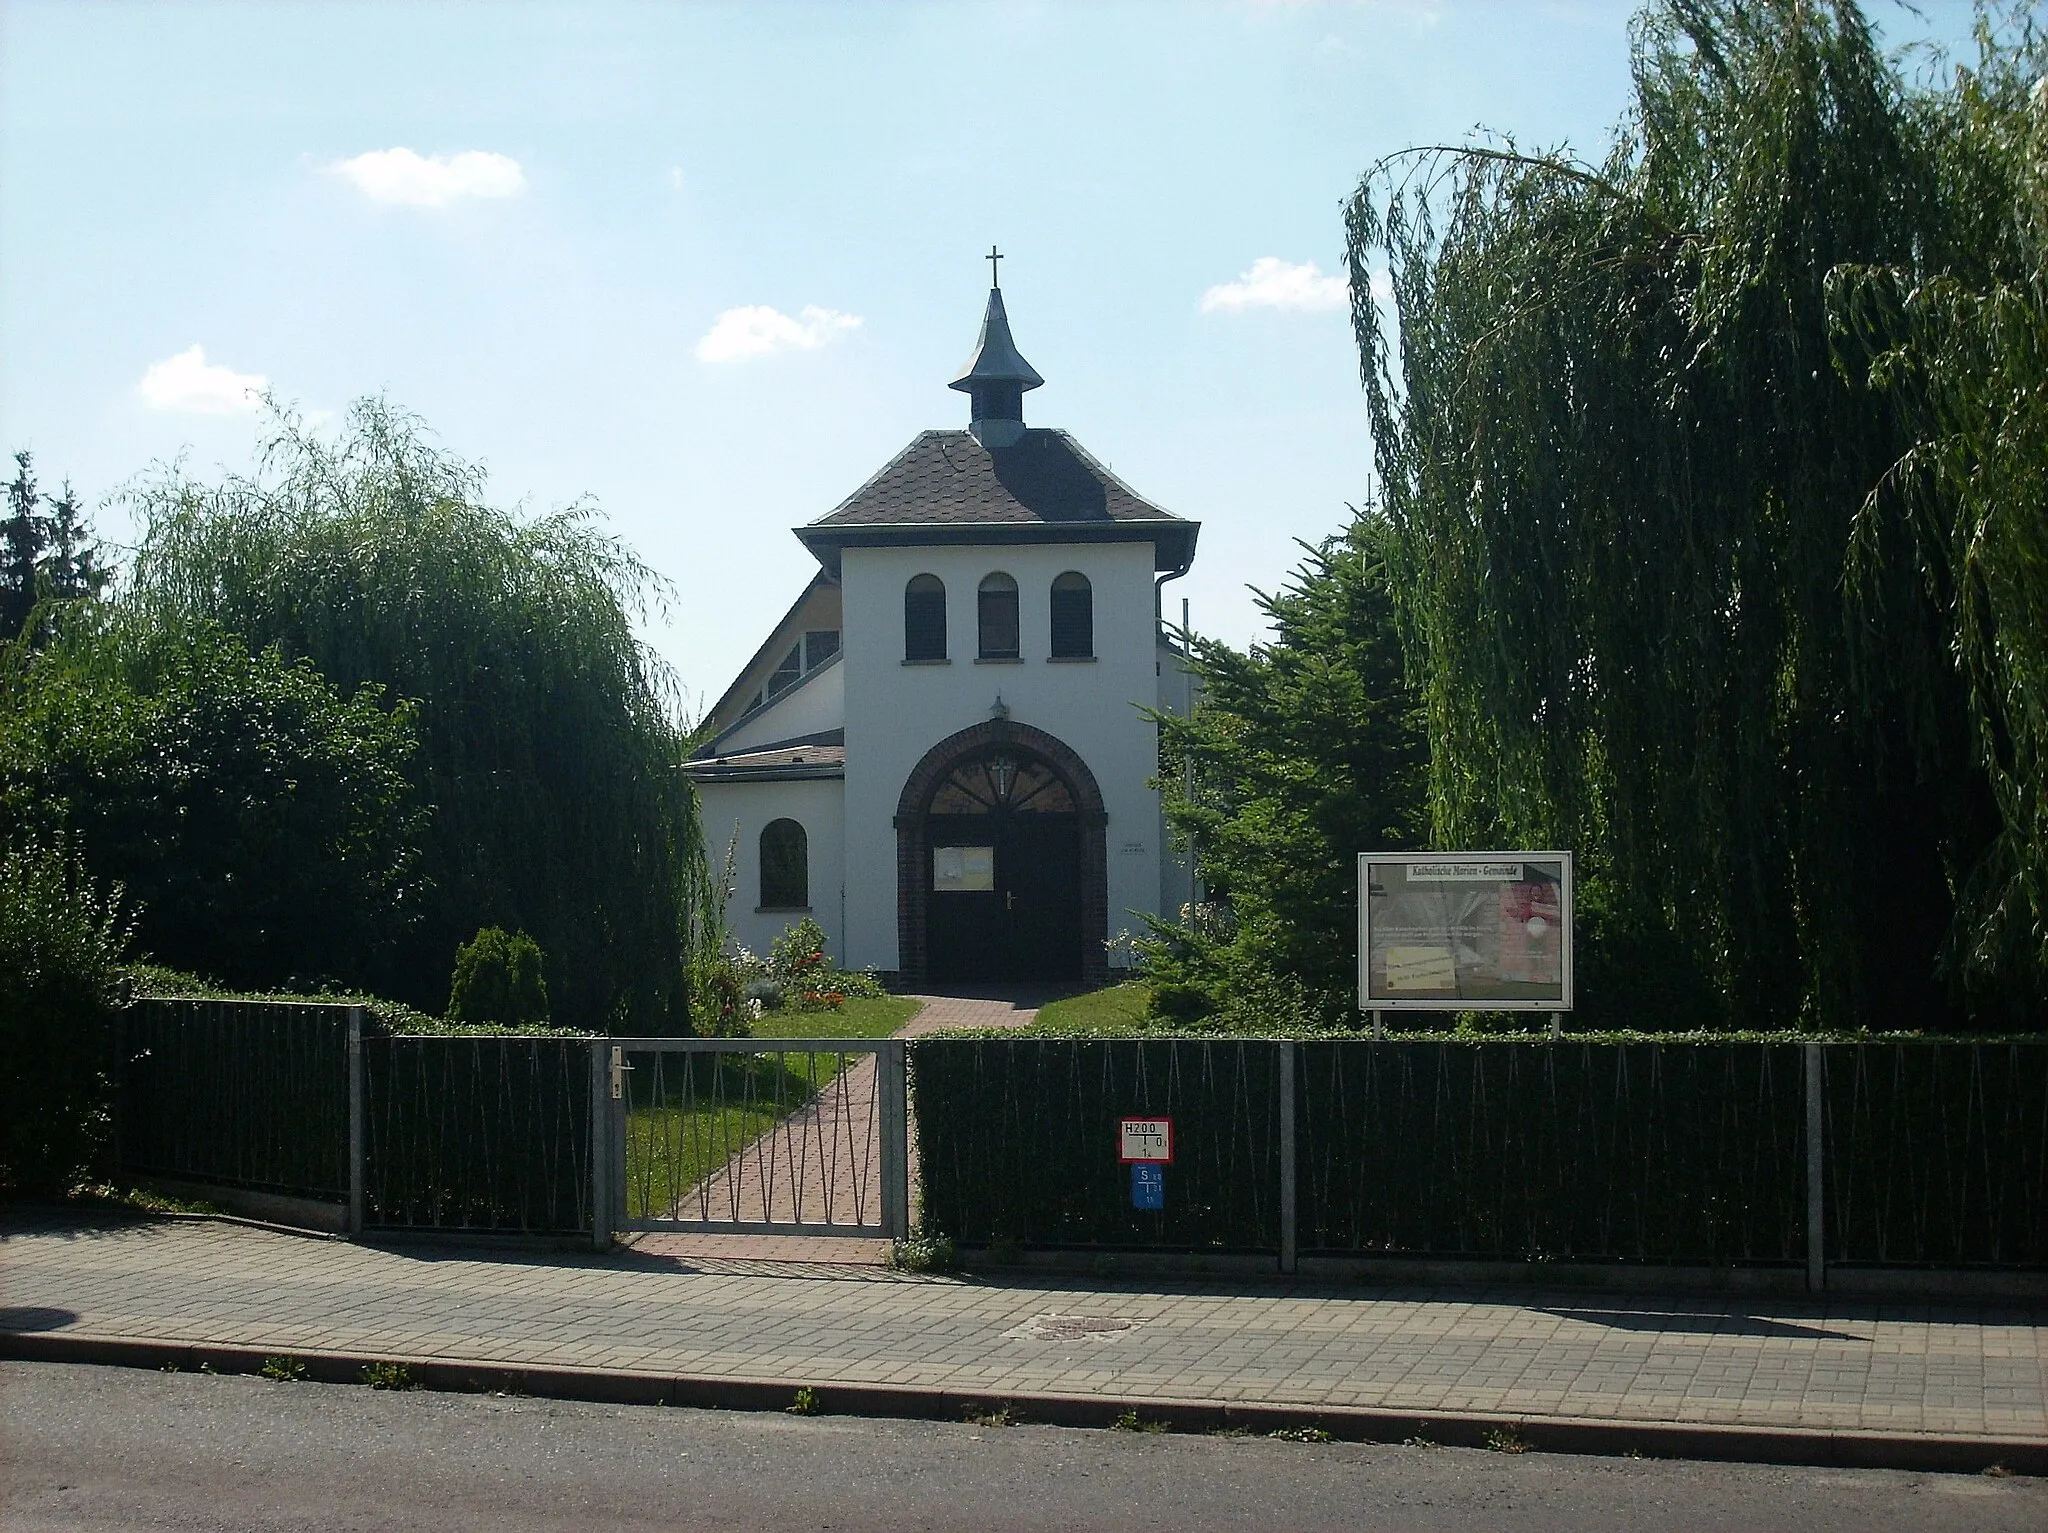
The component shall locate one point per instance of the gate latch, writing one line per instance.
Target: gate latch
(619, 1069)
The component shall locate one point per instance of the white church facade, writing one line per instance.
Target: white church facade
(941, 753)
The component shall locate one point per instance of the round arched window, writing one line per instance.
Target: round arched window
(785, 866)
(924, 618)
(998, 611)
(1073, 617)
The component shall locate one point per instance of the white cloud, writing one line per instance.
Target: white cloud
(675, 177)
(1276, 284)
(756, 330)
(415, 180)
(189, 382)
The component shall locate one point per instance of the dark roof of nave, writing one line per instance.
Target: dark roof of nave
(777, 762)
(946, 487)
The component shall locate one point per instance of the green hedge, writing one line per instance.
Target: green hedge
(1688, 1153)
(236, 1094)
(484, 1134)
(1682, 1154)
(1017, 1141)
(1938, 1154)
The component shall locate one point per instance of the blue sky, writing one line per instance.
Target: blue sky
(713, 265)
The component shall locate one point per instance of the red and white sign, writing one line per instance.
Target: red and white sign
(1145, 1141)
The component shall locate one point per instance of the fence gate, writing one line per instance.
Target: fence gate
(785, 1136)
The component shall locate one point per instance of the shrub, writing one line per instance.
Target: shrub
(1180, 1002)
(260, 821)
(718, 1000)
(61, 942)
(498, 979)
(798, 955)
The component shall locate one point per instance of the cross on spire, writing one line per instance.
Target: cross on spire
(995, 272)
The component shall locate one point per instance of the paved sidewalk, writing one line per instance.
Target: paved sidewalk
(1971, 1370)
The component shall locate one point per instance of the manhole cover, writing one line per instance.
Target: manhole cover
(1070, 1328)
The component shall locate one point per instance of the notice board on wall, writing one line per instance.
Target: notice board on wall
(1465, 931)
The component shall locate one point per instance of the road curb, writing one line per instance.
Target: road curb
(1933, 1452)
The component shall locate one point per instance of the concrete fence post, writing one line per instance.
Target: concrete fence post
(355, 1121)
(1287, 1157)
(601, 1086)
(893, 1087)
(1816, 1172)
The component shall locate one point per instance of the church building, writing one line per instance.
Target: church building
(941, 752)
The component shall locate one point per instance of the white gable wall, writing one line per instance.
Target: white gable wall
(745, 808)
(894, 712)
(811, 707)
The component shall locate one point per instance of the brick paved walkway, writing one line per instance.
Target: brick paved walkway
(1965, 1369)
(823, 1164)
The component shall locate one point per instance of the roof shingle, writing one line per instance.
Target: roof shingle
(947, 478)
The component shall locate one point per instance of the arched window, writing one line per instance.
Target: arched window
(1073, 617)
(998, 608)
(924, 618)
(785, 866)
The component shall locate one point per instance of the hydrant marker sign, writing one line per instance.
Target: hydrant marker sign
(1145, 1141)
(1452, 931)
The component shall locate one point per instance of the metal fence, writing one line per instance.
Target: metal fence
(1675, 1154)
(1670, 1153)
(1715, 1154)
(1937, 1154)
(1016, 1137)
(794, 1136)
(237, 1094)
(477, 1134)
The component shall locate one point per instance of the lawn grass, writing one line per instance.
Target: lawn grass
(876, 1018)
(1118, 1006)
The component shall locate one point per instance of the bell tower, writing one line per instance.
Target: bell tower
(996, 376)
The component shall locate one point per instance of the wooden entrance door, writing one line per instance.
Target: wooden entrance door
(1004, 873)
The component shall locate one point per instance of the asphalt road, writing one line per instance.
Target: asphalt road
(96, 1448)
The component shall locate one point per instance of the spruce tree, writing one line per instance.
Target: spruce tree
(24, 535)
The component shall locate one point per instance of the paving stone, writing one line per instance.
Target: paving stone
(1976, 1370)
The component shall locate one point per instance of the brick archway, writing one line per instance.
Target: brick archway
(912, 852)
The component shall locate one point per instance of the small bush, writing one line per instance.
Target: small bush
(498, 979)
(924, 1250)
(718, 1000)
(388, 1376)
(1181, 1002)
(284, 1370)
(61, 943)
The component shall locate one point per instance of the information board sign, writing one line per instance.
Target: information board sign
(1145, 1140)
(1465, 931)
(955, 868)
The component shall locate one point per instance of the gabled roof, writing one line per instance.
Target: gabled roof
(946, 487)
(726, 713)
(784, 761)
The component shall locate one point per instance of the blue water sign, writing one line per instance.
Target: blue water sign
(1148, 1186)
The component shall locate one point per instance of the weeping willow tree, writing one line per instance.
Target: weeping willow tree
(548, 735)
(1963, 353)
(1626, 465)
